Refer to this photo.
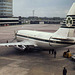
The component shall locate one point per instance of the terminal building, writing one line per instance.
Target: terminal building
(6, 13)
(6, 8)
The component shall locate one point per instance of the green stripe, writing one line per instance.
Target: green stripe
(33, 38)
(60, 42)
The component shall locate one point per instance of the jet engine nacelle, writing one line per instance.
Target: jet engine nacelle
(20, 47)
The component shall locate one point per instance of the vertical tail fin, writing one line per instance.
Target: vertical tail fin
(72, 10)
(67, 29)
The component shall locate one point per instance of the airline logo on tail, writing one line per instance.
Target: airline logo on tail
(69, 21)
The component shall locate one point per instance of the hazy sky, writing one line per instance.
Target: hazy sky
(43, 8)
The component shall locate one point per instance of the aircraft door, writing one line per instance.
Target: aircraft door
(50, 41)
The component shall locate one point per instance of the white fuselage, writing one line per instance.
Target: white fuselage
(41, 39)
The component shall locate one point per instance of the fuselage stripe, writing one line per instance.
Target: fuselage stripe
(45, 40)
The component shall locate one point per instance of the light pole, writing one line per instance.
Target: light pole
(33, 12)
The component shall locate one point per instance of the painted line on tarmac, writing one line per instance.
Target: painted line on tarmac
(52, 73)
(4, 33)
(58, 59)
(12, 59)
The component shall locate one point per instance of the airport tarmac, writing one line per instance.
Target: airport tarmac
(14, 62)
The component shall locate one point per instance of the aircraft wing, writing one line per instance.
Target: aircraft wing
(25, 43)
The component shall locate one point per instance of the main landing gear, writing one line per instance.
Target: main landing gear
(51, 51)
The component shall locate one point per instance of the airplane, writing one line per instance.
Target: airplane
(63, 37)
